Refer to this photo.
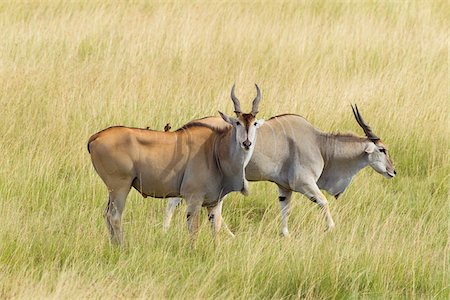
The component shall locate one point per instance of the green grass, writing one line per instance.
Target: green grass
(70, 70)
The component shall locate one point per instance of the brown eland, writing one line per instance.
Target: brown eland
(198, 162)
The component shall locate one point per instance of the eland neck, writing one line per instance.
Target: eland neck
(232, 160)
(343, 155)
(346, 150)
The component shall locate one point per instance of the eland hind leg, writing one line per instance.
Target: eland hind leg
(113, 213)
(312, 191)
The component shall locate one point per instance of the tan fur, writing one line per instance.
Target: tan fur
(163, 164)
(199, 162)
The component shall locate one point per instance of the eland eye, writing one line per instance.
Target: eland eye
(382, 150)
(238, 124)
(256, 124)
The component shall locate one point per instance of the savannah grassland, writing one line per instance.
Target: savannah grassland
(70, 70)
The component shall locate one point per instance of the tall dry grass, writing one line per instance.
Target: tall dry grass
(68, 70)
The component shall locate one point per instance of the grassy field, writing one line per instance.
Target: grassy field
(70, 70)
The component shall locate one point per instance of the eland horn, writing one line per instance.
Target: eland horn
(237, 104)
(256, 101)
(367, 130)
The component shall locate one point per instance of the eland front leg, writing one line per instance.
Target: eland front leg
(285, 198)
(215, 217)
(193, 218)
(172, 203)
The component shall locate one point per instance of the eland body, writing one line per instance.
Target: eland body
(298, 157)
(198, 162)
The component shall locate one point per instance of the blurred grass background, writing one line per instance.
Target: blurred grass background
(68, 70)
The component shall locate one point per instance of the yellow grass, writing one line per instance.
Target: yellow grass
(68, 70)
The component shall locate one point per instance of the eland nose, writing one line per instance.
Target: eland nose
(247, 144)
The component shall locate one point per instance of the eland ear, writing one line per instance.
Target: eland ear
(370, 148)
(226, 118)
(259, 122)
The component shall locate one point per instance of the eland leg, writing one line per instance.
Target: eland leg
(313, 192)
(170, 209)
(113, 213)
(215, 216)
(193, 218)
(216, 219)
(284, 196)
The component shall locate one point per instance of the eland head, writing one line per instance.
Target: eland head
(377, 152)
(245, 124)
